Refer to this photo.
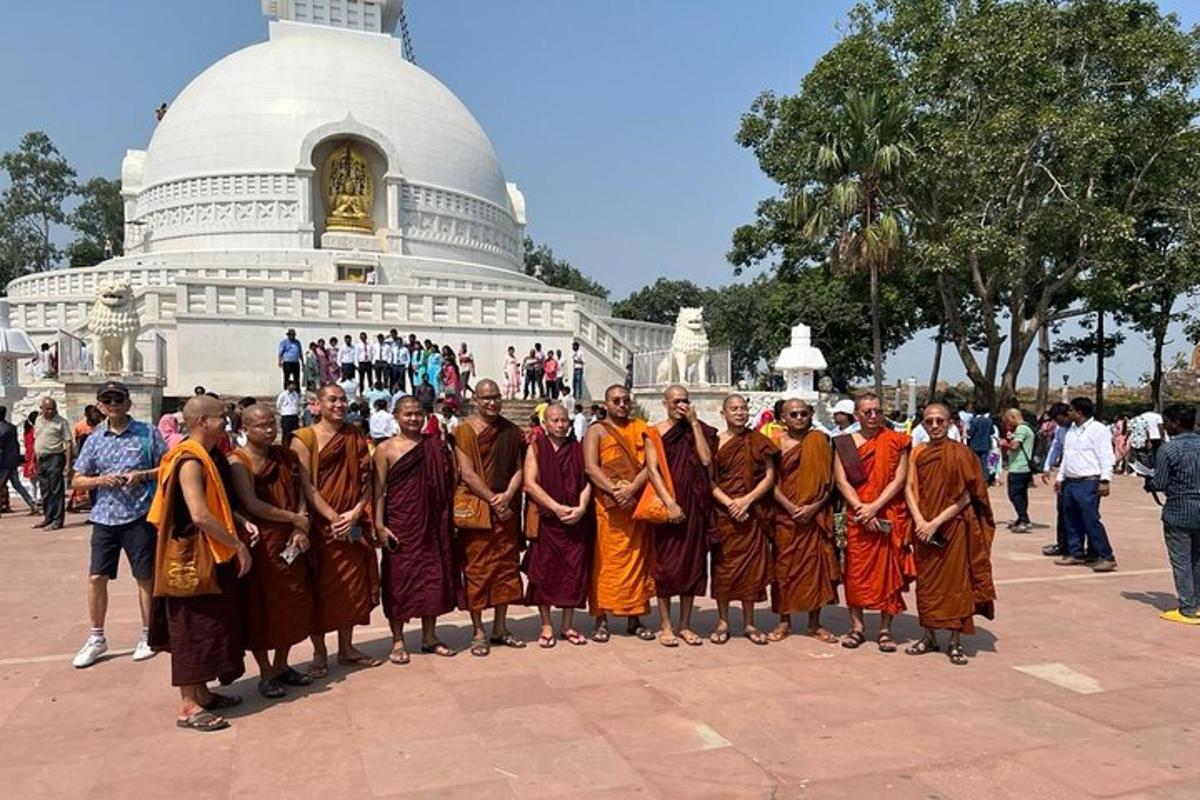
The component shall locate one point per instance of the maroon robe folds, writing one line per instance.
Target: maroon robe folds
(558, 559)
(419, 577)
(681, 549)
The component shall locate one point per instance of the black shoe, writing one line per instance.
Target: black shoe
(55, 527)
(1052, 550)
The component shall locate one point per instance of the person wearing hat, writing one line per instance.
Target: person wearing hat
(119, 461)
(290, 357)
(843, 417)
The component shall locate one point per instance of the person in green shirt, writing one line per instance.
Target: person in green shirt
(1018, 447)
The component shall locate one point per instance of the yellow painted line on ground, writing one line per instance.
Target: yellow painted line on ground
(1084, 576)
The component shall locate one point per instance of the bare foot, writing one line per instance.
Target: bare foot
(780, 632)
(354, 657)
(822, 635)
(690, 637)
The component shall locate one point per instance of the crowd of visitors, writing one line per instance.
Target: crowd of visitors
(251, 528)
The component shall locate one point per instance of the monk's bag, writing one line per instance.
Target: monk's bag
(852, 464)
(650, 507)
(470, 511)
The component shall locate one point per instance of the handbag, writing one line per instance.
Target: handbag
(470, 510)
(650, 507)
(532, 519)
(188, 568)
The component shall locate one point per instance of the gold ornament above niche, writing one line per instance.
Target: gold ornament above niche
(348, 190)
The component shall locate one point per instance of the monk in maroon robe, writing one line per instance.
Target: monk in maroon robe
(953, 532)
(745, 473)
(202, 632)
(488, 448)
(559, 553)
(279, 598)
(681, 547)
(335, 471)
(414, 498)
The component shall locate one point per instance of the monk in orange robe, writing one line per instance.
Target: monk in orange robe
(620, 464)
(202, 632)
(489, 465)
(278, 600)
(953, 529)
(744, 475)
(807, 571)
(870, 470)
(335, 471)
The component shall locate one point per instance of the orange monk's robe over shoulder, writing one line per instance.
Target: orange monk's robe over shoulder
(954, 581)
(741, 562)
(879, 565)
(491, 559)
(623, 559)
(347, 573)
(807, 571)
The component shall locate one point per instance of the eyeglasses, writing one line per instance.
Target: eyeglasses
(621, 401)
(795, 414)
(872, 412)
(113, 399)
(935, 421)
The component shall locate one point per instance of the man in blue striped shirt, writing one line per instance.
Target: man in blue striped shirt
(1058, 413)
(1177, 475)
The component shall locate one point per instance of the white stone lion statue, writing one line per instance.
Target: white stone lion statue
(114, 327)
(689, 348)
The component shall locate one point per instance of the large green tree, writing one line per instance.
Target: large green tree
(100, 220)
(39, 183)
(541, 262)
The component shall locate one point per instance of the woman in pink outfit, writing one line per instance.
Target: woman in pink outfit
(511, 370)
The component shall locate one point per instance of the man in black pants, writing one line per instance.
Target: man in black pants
(10, 460)
(1058, 413)
(53, 445)
(290, 358)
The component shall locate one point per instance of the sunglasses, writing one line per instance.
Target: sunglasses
(112, 399)
(872, 412)
(795, 414)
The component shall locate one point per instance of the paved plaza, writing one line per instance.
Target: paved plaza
(1075, 690)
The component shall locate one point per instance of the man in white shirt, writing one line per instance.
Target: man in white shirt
(397, 358)
(382, 424)
(346, 357)
(580, 421)
(1083, 478)
(362, 354)
(577, 362)
(288, 406)
(350, 387)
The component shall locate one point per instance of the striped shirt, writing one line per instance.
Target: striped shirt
(1177, 475)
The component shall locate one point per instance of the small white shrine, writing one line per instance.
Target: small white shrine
(798, 362)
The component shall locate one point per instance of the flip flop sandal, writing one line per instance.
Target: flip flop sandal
(507, 640)
(691, 638)
(601, 635)
(203, 721)
(271, 689)
(290, 677)
(643, 633)
(480, 647)
(823, 635)
(439, 649)
(926, 645)
(360, 661)
(853, 640)
(317, 672)
(719, 636)
(546, 642)
(756, 636)
(778, 636)
(220, 701)
(669, 641)
(574, 637)
(886, 643)
(956, 655)
(399, 656)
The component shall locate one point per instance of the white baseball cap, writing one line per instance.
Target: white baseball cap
(844, 407)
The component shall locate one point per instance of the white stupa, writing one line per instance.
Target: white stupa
(320, 180)
(798, 361)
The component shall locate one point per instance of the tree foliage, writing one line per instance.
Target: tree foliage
(100, 219)
(541, 262)
(39, 183)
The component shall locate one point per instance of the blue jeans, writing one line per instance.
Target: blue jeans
(1183, 550)
(577, 384)
(1081, 518)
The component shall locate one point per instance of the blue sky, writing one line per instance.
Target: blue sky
(617, 118)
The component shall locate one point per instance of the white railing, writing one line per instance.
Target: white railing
(73, 354)
(69, 284)
(642, 335)
(651, 368)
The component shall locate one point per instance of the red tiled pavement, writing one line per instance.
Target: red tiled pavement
(635, 720)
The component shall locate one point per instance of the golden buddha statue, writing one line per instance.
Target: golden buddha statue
(347, 187)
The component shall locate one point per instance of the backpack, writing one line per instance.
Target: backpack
(1139, 433)
(1037, 459)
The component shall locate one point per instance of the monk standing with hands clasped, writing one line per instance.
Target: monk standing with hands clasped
(870, 470)
(806, 562)
(947, 494)
(278, 597)
(558, 557)
(335, 471)
(489, 465)
(681, 545)
(414, 498)
(620, 464)
(745, 473)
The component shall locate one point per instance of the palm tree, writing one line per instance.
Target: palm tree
(849, 200)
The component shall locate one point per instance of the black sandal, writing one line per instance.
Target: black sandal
(291, 677)
(271, 689)
(854, 640)
(925, 645)
(956, 654)
(480, 647)
(641, 632)
(601, 634)
(203, 721)
(886, 643)
(508, 640)
(220, 701)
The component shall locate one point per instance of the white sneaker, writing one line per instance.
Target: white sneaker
(91, 651)
(142, 651)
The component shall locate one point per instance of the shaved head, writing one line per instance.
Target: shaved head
(674, 390)
(326, 388)
(555, 410)
(199, 407)
(936, 404)
(730, 399)
(486, 383)
(616, 387)
(252, 413)
(408, 400)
